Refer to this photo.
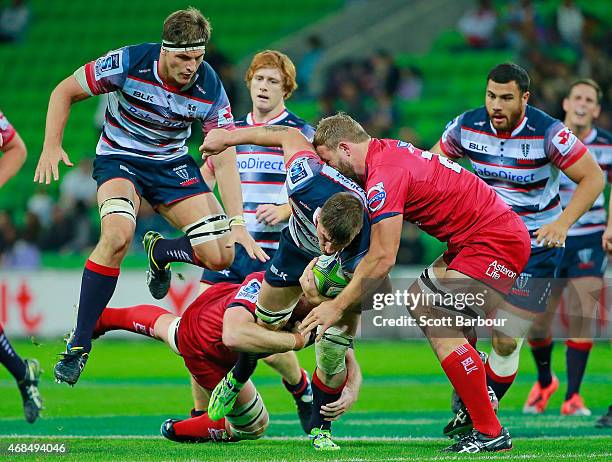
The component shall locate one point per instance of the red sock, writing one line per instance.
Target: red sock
(465, 370)
(139, 319)
(199, 427)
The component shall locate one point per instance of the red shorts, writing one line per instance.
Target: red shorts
(201, 346)
(495, 254)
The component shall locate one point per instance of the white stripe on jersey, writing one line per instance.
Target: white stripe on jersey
(521, 193)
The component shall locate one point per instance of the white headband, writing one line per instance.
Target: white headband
(178, 47)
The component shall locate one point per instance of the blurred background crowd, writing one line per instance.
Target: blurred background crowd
(404, 95)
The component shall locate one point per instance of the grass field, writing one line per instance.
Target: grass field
(129, 388)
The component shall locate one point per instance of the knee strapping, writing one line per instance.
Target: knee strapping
(207, 229)
(273, 318)
(118, 205)
(504, 366)
(331, 351)
(249, 421)
(172, 335)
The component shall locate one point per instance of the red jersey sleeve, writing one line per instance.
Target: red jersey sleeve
(562, 147)
(7, 132)
(387, 190)
(450, 142)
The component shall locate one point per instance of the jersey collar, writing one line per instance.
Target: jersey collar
(515, 132)
(250, 120)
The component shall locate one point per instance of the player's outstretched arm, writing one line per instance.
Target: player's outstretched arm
(369, 275)
(290, 139)
(13, 158)
(242, 333)
(68, 91)
(230, 190)
(590, 183)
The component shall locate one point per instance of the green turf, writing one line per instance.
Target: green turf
(129, 388)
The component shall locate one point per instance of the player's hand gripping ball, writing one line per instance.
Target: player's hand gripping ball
(328, 275)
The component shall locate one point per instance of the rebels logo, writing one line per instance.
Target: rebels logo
(376, 197)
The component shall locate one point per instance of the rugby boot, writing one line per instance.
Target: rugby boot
(28, 387)
(321, 440)
(538, 397)
(69, 368)
(158, 279)
(605, 421)
(224, 396)
(462, 423)
(167, 431)
(477, 442)
(575, 406)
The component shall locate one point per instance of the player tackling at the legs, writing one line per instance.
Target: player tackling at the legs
(213, 328)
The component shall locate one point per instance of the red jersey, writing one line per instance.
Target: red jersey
(201, 327)
(7, 132)
(431, 191)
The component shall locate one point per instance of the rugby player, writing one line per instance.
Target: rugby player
(582, 267)
(518, 150)
(13, 151)
(270, 79)
(328, 216)
(213, 328)
(487, 247)
(156, 92)
(26, 372)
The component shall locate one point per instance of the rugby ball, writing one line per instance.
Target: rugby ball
(328, 275)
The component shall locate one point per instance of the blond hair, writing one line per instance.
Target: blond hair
(186, 26)
(340, 127)
(275, 60)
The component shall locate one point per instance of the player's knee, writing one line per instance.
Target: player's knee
(116, 240)
(215, 258)
(505, 365)
(331, 351)
(249, 421)
(504, 346)
(207, 237)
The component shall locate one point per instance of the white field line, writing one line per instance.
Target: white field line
(378, 439)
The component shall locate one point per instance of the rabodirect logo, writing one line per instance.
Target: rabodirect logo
(254, 163)
(504, 175)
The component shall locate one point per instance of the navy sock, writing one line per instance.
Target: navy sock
(299, 388)
(322, 395)
(10, 359)
(97, 288)
(576, 356)
(542, 354)
(499, 384)
(169, 250)
(245, 366)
